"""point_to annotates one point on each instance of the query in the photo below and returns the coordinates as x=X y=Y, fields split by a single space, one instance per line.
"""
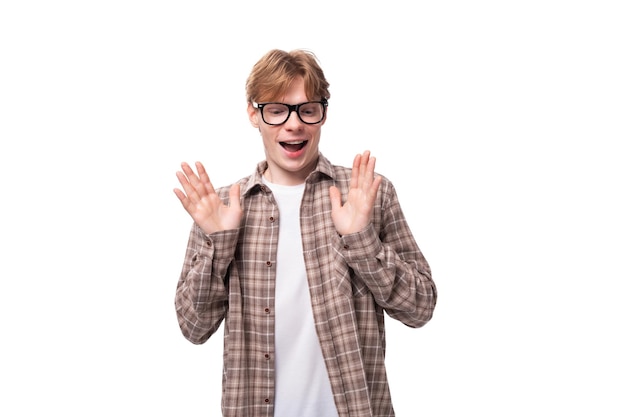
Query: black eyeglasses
x=310 y=113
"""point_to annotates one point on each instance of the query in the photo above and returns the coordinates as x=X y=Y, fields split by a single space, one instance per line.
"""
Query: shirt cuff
x=361 y=246
x=220 y=245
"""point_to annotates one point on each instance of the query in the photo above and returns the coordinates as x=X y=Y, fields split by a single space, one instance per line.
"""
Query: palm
x=355 y=214
x=203 y=204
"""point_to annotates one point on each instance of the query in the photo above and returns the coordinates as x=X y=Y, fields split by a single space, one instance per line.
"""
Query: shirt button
x=346 y=246
x=267 y=400
x=267 y=310
x=267 y=356
x=272 y=219
x=268 y=263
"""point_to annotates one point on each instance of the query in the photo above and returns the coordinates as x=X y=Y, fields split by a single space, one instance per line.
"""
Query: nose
x=293 y=121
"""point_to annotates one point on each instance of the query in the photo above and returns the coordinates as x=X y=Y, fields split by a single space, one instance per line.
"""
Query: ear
x=253 y=115
x=325 y=117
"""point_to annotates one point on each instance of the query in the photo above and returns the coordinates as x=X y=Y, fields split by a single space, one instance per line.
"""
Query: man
x=300 y=260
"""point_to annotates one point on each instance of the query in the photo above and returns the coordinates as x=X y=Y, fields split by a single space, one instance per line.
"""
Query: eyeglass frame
x=292 y=108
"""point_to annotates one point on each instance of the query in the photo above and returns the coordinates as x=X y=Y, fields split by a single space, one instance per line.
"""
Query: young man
x=300 y=260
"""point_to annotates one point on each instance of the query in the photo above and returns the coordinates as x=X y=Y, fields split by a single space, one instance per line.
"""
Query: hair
x=274 y=73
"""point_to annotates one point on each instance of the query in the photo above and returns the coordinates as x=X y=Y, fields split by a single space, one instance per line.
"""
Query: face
x=291 y=149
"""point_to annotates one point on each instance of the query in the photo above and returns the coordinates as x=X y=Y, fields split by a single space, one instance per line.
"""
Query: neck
x=280 y=177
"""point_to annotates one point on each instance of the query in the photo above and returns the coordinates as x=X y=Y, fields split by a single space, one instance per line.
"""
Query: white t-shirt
x=302 y=383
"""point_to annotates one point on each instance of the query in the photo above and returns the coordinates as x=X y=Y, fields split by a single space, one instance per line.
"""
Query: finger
x=365 y=176
x=189 y=189
x=204 y=178
x=354 y=177
x=192 y=185
x=375 y=186
x=182 y=197
x=187 y=170
x=186 y=202
x=335 y=197
x=373 y=180
x=233 y=195
x=194 y=181
x=190 y=176
x=371 y=167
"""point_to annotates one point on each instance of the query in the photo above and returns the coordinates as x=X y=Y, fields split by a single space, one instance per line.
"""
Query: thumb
x=234 y=194
x=335 y=197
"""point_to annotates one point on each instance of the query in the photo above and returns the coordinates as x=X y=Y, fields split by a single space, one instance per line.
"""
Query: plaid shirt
x=353 y=279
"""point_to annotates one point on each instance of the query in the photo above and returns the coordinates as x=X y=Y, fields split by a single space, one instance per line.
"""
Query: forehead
x=295 y=93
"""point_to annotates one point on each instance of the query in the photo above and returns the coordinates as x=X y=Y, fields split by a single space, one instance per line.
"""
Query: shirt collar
x=323 y=169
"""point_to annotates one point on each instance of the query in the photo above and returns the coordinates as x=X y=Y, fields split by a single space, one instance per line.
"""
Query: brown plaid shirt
x=229 y=276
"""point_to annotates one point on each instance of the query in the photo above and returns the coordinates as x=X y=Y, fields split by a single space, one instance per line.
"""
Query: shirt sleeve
x=388 y=261
x=201 y=294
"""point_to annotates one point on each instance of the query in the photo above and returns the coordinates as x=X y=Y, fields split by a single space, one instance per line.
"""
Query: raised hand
x=202 y=202
x=355 y=214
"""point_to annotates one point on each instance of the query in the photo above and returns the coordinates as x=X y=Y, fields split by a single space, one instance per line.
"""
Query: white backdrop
x=501 y=124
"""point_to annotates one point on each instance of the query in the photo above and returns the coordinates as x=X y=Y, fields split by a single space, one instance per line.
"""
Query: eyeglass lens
x=277 y=113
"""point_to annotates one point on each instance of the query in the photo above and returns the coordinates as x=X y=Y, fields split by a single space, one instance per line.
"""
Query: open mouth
x=294 y=146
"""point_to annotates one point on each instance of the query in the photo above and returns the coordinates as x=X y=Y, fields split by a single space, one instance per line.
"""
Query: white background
x=502 y=125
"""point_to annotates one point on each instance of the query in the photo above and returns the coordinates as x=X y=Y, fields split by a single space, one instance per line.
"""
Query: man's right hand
x=200 y=200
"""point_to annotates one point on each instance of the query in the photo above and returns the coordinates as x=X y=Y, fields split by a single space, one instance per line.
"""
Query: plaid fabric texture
x=354 y=280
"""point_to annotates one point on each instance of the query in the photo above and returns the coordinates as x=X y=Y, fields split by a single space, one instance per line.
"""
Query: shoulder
x=246 y=184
